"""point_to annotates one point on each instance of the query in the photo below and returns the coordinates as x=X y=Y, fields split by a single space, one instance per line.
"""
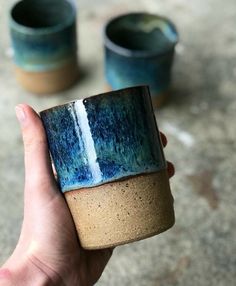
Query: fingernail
x=20 y=114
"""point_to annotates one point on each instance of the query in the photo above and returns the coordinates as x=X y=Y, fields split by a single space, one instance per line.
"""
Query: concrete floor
x=199 y=121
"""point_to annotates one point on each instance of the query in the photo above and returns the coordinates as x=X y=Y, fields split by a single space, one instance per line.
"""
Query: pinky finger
x=170 y=169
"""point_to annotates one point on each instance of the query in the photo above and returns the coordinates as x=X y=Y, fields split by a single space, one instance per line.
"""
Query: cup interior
x=142 y=32
x=42 y=13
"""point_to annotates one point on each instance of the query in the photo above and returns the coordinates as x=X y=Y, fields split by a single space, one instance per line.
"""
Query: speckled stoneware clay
x=111 y=167
x=139 y=49
x=43 y=36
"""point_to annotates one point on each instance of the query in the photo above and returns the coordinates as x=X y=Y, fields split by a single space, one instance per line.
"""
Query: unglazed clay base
x=160 y=99
x=48 y=82
x=122 y=211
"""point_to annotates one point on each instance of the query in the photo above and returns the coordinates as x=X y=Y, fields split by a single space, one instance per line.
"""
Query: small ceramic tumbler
x=139 y=49
x=111 y=167
x=43 y=34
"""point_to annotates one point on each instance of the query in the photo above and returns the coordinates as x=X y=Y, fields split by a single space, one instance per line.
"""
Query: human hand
x=48 y=251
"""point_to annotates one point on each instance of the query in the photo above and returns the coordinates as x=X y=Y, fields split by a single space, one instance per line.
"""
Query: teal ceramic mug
x=43 y=34
x=111 y=167
x=139 y=49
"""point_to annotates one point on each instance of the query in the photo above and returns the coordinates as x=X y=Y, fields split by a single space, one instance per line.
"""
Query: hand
x=48 y=251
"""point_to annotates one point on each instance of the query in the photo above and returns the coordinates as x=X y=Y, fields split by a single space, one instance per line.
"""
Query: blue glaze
x=43 y=34
x=103 y=138
x=139 y=49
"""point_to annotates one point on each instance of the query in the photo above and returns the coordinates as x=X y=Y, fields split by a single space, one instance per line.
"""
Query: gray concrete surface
x=199 y=122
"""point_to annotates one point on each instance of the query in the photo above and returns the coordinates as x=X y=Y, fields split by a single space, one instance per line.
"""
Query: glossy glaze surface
x=139 y=49
x=104 y=138
x=43 y=34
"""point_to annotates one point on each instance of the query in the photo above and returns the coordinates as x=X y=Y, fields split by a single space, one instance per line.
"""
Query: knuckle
x=32 y=143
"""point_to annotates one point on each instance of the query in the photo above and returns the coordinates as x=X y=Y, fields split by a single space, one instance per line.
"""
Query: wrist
x=28 y=272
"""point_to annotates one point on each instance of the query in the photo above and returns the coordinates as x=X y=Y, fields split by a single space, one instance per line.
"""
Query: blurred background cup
x=43 y=34
x=139 y=49
x=111 y=167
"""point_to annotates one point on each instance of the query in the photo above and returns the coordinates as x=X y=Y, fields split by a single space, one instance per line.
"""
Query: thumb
x=38 y=170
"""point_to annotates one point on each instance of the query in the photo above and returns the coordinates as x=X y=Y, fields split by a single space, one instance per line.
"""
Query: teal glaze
x=103 y=138
x=139 y=49
x=43 y=34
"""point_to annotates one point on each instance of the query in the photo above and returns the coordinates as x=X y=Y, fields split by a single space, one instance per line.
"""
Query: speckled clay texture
x=103 y=138
x=139 y=49
x=122 y=211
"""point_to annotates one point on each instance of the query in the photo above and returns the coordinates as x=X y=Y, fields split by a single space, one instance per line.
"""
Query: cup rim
x=96 y=95
x=137 y=53
x=45 y=30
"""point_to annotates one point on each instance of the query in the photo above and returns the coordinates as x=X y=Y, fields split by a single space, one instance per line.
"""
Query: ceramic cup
x=139 y=49
x=111 y=167
x=43 y=34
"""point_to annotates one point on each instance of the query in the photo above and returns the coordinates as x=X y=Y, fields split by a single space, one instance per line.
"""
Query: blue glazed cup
x=139 y=49
x=43 y=34
x=111 y=167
